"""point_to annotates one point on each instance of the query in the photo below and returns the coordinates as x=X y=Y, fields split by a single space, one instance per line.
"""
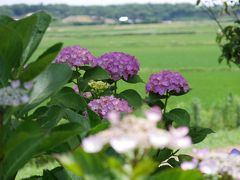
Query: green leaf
x=178 y=174
x=4 y=20
x=77 y=118
x=11 y=48
x=51 y=117
x=59 y=135
x=43 y=61
x=134 y=79
x=31 y=29
x=180 y=117
x=163 y=154
x=133 y=97
x=67 y=98
x=47 y=83
x=100 y=127
x=184 y=158
x=21 y=147
x=154 y=100
x=58 y=173
x=144 y=168
x=198 y=134
x=198 y=2
x=93 y=118
x=88 y=166
x=96 y=73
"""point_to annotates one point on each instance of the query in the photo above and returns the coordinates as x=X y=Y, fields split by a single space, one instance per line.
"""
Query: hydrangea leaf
x=31 y=29
x=179 y=117
x=43 y=61
x=198 y=134
x=10 y=52
x=178 y=174
x=96 y=73
x=47 y=83
x=133 y=97
x=134 y=79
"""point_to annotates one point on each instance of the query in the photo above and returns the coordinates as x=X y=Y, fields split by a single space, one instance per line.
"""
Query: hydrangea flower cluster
x=75 y=56
x=215 y=163
x=98 y=86
x=167 y=82
x=132 y=133
x=14 y=95
x=118 y=64
x=106 y=104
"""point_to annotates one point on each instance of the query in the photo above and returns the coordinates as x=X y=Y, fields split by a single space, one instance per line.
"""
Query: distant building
x=82 y=20
x=123 y=19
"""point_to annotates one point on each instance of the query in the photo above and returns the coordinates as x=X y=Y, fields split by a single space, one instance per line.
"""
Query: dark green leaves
x=198 y=2
x=20 y=147
x=135 y=79
x=59 y=135
x=67 y=98
x=31 y=29
x=180 y=117
x=4 y=20
x=93 y=118
x=11 y=48
x=132 y=96
x=48 y=82
x=87 y=166
x=154 y=100
x=198 y=134
x=178 y=174
x=77 y=118
x=43 y=61
x=96 y=73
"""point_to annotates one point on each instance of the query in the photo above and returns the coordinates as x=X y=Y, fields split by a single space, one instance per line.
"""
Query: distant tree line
x=144 y=13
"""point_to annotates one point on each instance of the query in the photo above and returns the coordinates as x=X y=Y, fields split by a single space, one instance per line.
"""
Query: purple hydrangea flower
x=75 y=56
x=28 y=85
x=235 y=152
x=167 y=82
x=118 y=64
x=107 y=104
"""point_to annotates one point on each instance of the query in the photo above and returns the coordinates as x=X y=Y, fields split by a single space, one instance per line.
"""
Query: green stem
x=175 y=152
x=165 y=104
x=115 y=88
x=1 y=119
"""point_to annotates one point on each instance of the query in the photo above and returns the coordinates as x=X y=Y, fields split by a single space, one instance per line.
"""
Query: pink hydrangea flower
x=75 y=88
x=75 y=56
x=154 y=114
x=167 y=82
x=107 y=104
x=118 y=64
x=130 y=133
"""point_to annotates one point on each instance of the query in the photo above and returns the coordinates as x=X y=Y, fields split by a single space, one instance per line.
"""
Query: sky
x=90 y=2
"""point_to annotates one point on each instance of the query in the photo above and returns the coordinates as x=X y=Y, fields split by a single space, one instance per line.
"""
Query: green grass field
x=188 y=47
